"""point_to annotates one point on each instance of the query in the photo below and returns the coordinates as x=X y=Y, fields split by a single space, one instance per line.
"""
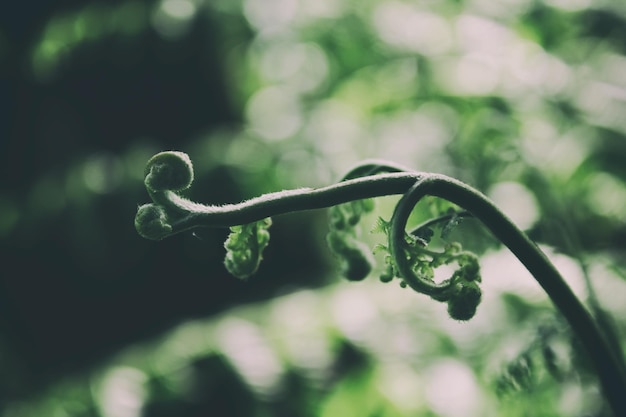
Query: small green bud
x=368 y=205
x=470 y=268
x=453 y=248
x=387 y=275
x=357 y=260
x=353 y=218
x=337 y=218
x=425 y=271
x=464 y=300
x=358 y=264
x=244 y=247
x=169 y=170
x=151 y=222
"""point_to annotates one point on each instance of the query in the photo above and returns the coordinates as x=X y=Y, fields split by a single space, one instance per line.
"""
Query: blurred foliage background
x=524 y=99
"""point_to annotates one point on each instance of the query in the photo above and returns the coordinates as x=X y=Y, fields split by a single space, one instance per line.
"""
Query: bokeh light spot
x=243 y=342
x=607 y=195
x=353 y=311
x=404 y=26
x=274 y=113
x=103 y=173
x=452 y=390
x=267 y=14
x=179 y=9
x=303 y=66
x=9 y=215
x=517 y=202
x=122 y=392
x=172 y=20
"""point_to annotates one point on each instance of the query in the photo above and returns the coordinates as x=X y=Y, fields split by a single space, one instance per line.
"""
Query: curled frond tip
x=169 y=170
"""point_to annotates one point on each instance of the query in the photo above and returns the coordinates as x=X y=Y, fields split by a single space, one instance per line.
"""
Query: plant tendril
x=408 y=257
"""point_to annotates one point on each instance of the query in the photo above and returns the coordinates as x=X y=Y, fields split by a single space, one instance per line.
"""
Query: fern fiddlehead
x=168 y=173
x=244 y=247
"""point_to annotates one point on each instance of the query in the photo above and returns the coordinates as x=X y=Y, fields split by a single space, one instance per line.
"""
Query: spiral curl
x=151 y=222
x=170 y=172
x=408 y=258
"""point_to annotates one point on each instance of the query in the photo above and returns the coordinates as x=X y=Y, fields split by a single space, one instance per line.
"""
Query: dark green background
x=78 y=122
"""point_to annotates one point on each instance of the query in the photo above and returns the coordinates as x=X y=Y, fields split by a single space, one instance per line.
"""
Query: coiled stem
x=169 y=172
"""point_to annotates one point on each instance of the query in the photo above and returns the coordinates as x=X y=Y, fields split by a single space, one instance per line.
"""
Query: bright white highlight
x=517 y=202
x=244 y=344
x=122 y=392
x=452 y=390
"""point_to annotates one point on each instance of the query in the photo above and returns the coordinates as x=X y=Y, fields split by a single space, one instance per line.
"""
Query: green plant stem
x=415 y=185
x=274 y=204
x=611 y=375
